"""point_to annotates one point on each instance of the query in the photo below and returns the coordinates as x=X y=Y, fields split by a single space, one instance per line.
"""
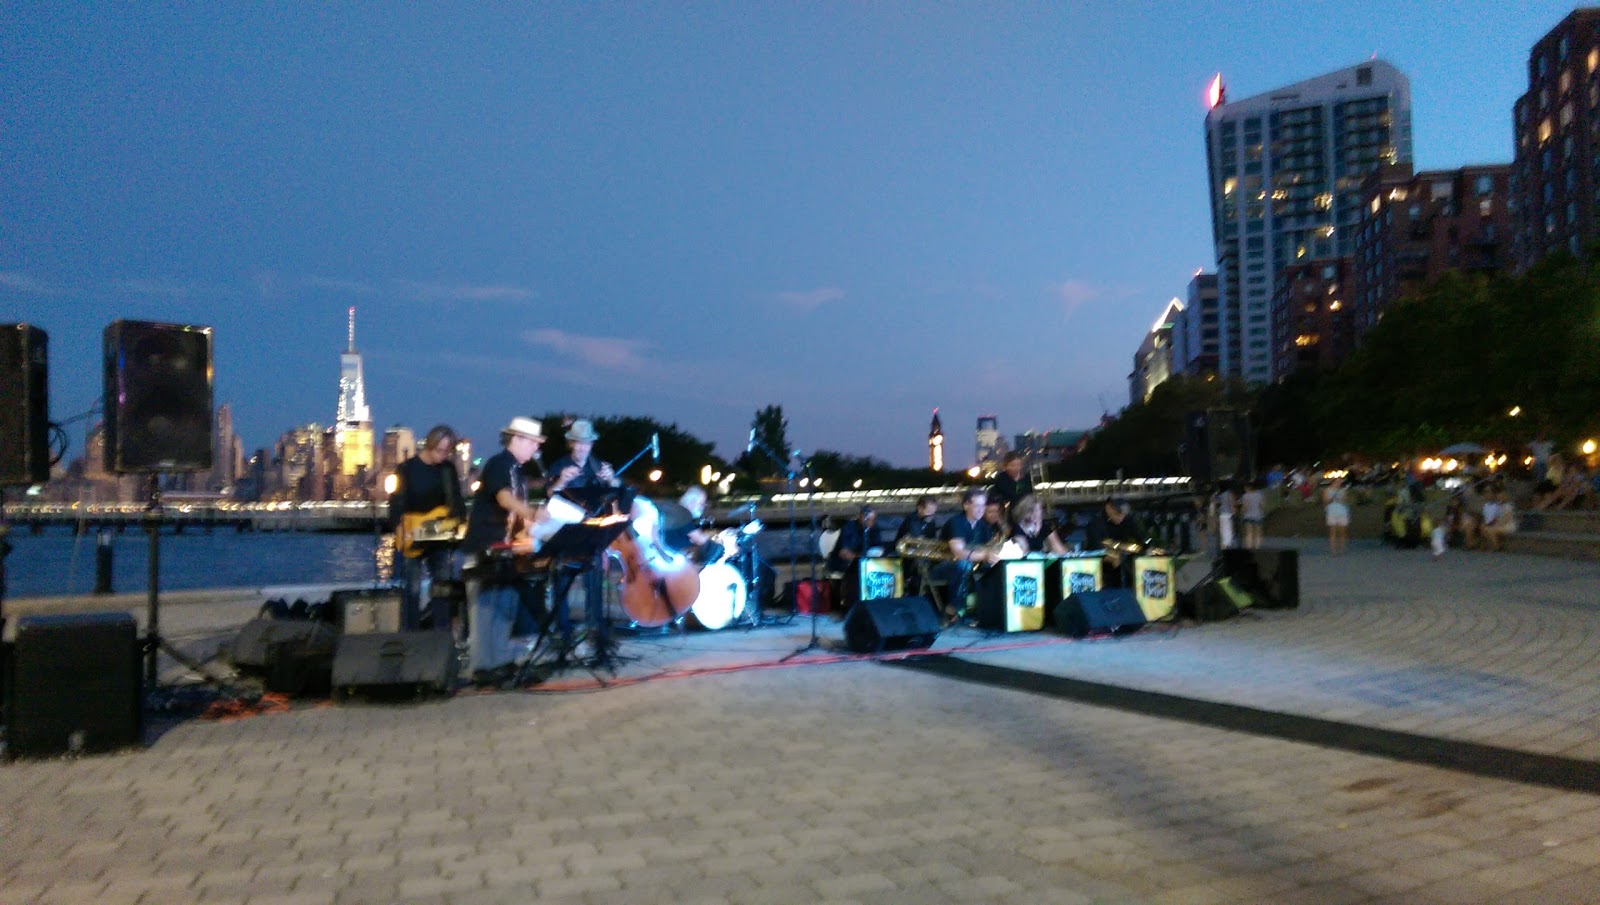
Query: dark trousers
x=434 y=566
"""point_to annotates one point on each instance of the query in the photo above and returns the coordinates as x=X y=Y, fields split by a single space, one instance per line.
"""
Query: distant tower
x=990 y=447
x=353 y=426
x=936 y=443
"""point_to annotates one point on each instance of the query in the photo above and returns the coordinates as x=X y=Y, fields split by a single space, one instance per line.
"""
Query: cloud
x=1074 y=294
x=810 y=299
x=17 y=281
x=461 y=292
x=603 y=352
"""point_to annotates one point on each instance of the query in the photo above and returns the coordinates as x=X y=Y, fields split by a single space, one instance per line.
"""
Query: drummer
x=683 y=526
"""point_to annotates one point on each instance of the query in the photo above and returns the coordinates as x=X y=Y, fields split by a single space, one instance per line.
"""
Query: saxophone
x=925 y=548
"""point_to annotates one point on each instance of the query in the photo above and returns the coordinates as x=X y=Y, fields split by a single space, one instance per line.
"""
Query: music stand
x=581 y=547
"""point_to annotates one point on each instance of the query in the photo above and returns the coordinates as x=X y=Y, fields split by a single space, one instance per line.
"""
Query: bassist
x=427 y=486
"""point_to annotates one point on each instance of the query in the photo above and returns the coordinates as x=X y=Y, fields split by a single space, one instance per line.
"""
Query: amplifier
x=368 y=610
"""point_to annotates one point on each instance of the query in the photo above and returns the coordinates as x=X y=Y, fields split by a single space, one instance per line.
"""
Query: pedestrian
x=1336 y=507
x=1252 y=512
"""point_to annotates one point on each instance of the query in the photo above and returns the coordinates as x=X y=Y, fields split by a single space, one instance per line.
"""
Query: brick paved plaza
x=858 y=781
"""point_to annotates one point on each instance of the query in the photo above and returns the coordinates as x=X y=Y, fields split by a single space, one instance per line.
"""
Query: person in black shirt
x=1029 y=530
x=426 y=482
x=922 y=526
x=1118 y=531
x=498 y=506
x=579 y=469
x=1010 y=485
x=858 y=535
x=966 y=533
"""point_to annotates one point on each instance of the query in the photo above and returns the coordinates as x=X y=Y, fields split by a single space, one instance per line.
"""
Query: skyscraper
x=1286 y=171
x=353 y=425
x=936 y=443
x=991 y=449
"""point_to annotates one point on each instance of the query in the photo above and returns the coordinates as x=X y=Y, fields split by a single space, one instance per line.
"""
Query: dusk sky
x=858 y=211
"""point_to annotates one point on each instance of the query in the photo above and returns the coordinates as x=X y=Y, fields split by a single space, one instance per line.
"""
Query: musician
x=994 y=515
x=683 y=526
x=498 y=507
x=966 y=532
x=578 y=468
x=1117 y=526
x=1030 y=531
x=858 y=535
x=920 y=525
x=1010 y=485
x=423 y=483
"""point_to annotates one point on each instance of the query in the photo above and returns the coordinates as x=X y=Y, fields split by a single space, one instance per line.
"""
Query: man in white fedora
x=498 y=506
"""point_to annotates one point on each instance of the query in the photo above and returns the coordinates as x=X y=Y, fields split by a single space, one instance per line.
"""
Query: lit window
x=1594 y=58
x=1566 y=80
x=1486 y=207
x=1544 y=130
x=1335 y=305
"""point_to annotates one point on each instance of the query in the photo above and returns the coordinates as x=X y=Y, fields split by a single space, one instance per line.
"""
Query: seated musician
x=1010 y=485
x=498 y=507
x=1118 y=531
x=858 y=535
x=921 y=526
x=1029 y=530
x=683 y=527
x=967 y=533
x=426 y=482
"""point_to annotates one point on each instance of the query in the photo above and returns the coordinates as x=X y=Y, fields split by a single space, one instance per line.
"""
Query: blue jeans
x=494 y=611
x=419 y=575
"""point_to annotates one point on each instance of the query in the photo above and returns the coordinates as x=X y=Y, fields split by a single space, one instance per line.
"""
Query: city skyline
x=855 y=213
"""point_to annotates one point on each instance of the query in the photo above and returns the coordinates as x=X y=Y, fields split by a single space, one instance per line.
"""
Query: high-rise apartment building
x=1286 y=169
x=990 y=448
x=1196 y=335
x=1415 y=226
x=1155 y=360
x=1557 y=128
x=1311 y=322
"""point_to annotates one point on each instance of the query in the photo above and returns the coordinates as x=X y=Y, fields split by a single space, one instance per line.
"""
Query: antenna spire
x=352 y=328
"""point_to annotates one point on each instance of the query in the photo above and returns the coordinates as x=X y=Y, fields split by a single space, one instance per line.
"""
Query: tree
x=772 y=432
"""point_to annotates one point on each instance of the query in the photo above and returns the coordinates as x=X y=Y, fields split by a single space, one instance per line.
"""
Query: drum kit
x=728 y=566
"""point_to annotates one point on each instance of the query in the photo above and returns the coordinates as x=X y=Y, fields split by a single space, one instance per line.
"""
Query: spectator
x=1252 y=512
x=1499 y=519
x=1336 y=508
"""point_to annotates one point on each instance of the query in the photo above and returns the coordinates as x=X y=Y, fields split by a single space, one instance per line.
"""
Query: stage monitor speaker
x=1218 y=445
x=890 y=623
x=24 y=405
x=75 y=685
x=157 y=397
x=1115 y=611
x=1272 y=575
x=399 y=665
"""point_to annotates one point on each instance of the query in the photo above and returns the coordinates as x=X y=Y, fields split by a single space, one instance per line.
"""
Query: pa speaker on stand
x=157 y=397
x=24 y=405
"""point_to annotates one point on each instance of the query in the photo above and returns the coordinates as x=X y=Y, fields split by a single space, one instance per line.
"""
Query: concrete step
x=1554 y=543
x=1565 y=521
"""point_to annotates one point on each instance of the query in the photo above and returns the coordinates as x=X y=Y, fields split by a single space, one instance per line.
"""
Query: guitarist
x=427 y=485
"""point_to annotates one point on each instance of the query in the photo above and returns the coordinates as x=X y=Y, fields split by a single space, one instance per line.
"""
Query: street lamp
x=1515 y=411
x=655 y=474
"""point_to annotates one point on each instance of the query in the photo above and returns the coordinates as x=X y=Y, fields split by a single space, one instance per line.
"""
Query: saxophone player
x=967 y=533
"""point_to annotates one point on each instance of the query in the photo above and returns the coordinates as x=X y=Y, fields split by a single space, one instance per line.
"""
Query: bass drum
x=722 y=596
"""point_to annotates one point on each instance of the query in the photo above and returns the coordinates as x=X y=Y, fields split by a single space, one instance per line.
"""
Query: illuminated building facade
x=353 y=425
x=1155 y=360
x=1286 y=170
x=990 y=448
x=1311 y=319
x=936 y=443
x=1195 y=331
x=1557 y=146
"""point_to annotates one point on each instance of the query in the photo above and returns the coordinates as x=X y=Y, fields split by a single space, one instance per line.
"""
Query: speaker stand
x=154 y=644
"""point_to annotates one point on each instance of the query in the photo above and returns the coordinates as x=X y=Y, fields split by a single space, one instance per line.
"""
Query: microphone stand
x=811 y=514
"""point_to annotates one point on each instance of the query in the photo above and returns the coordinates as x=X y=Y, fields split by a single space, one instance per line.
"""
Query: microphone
x=655 y=447
x=751 y=444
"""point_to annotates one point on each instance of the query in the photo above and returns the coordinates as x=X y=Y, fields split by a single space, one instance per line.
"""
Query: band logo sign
x=1154 y=582
x=1080 y=583
x=1024 y=591
x=877 y=585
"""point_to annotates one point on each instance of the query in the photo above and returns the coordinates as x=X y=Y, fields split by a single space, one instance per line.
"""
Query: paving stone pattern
x=852 y=782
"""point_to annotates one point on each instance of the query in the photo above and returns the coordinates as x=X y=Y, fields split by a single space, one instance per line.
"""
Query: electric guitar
x=436 y=526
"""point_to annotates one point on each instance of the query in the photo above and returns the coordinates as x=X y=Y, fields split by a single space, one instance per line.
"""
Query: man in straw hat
x=499 y=503
x=579 y=469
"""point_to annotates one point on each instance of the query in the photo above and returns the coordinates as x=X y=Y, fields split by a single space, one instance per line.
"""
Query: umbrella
x=1463 y=449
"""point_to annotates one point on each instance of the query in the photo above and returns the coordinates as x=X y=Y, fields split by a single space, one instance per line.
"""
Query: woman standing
x=1337 y=508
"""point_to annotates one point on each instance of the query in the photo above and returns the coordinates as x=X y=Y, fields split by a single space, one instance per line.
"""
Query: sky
x=687 y=211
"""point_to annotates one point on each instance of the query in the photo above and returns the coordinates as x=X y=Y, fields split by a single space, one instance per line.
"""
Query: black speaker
x=1273 y=576
x=1218 y=445
x=24 y=405
x=398 y=665
x=890 y=623
x=1115 y=610
x=253 y=645
x=157 y=397
x=75 y=685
